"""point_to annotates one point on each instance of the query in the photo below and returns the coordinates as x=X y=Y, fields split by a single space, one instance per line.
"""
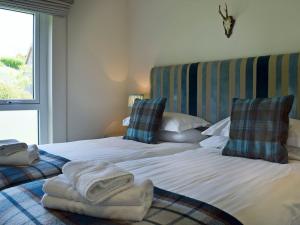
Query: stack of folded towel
x=15 y=153
x=98 y=189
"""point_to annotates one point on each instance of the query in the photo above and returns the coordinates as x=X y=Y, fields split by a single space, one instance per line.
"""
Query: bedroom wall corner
x=57 y=81
x=97 y=68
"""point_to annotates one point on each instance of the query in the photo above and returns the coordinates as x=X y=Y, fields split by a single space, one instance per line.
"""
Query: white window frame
x=40 y=74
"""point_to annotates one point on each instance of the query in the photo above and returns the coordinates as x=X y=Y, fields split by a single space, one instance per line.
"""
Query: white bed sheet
x=254 y=191
x=114 y=149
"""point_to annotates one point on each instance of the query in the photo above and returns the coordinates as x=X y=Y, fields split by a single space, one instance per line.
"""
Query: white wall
x=113 y=44
x=182 y=31
x=97 y=68
x=58 y=81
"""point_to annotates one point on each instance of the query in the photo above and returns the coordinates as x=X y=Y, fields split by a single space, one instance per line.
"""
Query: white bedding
x=114 y=149
x=254 y=191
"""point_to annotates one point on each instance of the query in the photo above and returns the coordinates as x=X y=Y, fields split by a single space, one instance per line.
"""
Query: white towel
x=60 y=187
x=132 y=213
x=22 y=158
x=96 y=181
x=11 y=146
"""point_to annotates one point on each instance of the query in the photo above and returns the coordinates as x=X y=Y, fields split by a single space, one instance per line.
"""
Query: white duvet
x=114 y=149
x=254 y=191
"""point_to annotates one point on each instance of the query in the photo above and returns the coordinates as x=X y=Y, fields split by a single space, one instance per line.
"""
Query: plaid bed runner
x=21 y=204
x=49 y=165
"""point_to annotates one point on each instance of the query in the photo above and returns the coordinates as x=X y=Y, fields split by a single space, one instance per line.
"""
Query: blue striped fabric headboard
x=206 y=89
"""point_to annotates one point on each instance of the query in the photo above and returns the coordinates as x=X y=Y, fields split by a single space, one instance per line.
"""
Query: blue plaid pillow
x=145 y=120
x=259 y=129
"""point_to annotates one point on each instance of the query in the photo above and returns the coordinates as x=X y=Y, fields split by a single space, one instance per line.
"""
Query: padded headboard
x=206 y=89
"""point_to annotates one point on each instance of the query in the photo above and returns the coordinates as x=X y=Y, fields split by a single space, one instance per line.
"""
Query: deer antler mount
x=228 y=21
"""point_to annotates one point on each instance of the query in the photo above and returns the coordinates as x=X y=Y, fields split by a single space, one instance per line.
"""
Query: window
x=16 y=56
x=23 y=76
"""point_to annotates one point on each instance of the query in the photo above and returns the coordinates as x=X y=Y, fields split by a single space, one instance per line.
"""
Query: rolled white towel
x=60 y=187
x=22 y=158
x=132 y=213
x=97 y=181
x=11 y=146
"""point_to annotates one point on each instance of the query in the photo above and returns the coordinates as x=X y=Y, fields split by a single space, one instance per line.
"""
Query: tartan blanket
x=21 y=205
x=48 y=166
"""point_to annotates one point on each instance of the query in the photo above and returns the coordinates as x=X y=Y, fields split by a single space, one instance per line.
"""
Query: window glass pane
x=16 y=55
x=21 y=125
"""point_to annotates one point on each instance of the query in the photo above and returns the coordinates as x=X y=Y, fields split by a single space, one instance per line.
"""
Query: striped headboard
x=206 y=89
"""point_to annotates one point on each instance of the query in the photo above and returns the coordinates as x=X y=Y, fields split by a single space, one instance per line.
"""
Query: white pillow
x=177 y=122
x=221 y=141
x=221 y=128
x=187 y=136
x=214 y=142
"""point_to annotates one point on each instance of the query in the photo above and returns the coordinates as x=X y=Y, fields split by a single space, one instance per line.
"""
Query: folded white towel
x=97 y=181
x=11 y=146
x=60 y=187
x=22 y=158
x=132 y=213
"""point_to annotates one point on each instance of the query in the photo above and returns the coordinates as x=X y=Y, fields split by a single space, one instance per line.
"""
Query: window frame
x=41 y=32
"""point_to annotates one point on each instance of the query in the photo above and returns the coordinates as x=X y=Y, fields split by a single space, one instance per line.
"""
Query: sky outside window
x=16 y=33
x=16 y=55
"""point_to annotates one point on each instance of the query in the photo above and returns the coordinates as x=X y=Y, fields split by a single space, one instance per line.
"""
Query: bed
x=113 y=149
x=206 y=90
x=255 y=192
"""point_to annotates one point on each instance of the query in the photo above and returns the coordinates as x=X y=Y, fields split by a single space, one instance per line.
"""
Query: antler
x=226 y=10
x=220 y=12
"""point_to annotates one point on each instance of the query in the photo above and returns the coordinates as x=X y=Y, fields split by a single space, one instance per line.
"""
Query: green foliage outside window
x=13 y=92
x=14 y=63
x=15 y=78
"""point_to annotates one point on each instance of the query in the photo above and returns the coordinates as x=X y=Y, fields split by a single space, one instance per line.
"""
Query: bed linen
x=114 y=149
x=22 y=204
x=256 y=192
x=48 y=166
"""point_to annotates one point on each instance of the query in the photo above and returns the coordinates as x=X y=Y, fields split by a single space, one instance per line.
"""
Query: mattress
x=114 y=149
x=254 y=191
